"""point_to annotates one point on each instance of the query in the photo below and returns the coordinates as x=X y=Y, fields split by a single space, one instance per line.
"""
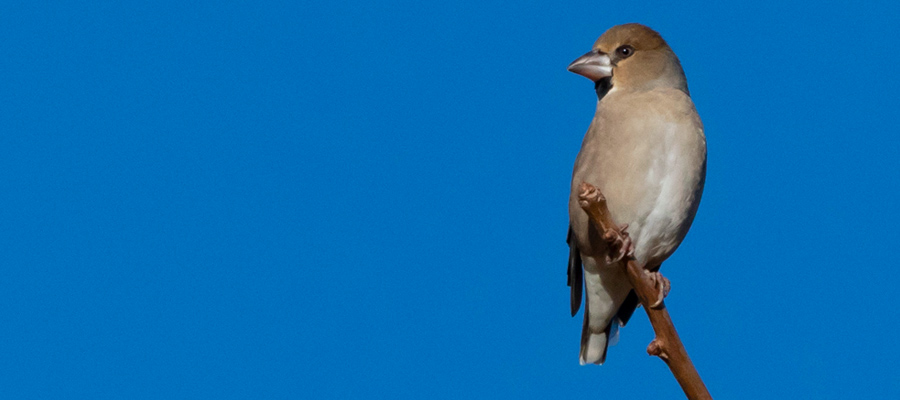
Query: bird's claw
x=620 y=244
x=662 y=285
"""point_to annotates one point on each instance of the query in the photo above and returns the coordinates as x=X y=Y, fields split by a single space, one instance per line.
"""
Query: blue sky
x=368 y=200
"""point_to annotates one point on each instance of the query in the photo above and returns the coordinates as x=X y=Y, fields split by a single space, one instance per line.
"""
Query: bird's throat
x=602 y=87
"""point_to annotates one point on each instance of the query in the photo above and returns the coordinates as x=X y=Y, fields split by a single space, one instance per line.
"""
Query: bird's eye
x=625 y=51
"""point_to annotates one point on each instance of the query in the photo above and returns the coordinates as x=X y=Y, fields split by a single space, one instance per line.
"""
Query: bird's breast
x=648 y=158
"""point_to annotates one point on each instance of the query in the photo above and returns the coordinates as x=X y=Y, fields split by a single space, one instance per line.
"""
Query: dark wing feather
x=627 y=308
x=630 y=304
x=575 y=273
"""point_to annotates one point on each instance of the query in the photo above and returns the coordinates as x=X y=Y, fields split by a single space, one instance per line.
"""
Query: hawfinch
x=646 y=152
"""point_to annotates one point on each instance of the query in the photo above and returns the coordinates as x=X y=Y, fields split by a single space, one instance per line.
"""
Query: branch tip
x=651 y=288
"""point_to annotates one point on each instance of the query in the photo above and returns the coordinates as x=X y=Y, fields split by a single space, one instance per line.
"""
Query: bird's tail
x=593 y=343
x=605 y=293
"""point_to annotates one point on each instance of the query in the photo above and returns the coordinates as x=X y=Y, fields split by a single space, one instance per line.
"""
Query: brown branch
x=667 y=346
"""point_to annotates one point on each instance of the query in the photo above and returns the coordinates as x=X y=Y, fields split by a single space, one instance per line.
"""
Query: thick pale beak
x=594 y=65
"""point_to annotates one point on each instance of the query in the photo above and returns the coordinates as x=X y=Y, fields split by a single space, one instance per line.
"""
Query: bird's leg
x=662 y=286
x=620 y=244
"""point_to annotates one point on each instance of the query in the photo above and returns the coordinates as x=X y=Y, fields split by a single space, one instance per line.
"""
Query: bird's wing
x=575 y=273
x=627 y=308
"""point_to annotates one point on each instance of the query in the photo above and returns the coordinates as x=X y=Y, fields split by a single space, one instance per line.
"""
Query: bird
x=645 y=150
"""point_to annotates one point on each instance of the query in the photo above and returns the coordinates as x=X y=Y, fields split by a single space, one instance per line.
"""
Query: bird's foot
x=662 y=285
x=620 y=244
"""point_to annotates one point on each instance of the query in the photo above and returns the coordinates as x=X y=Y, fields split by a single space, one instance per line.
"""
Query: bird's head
x=631 y=57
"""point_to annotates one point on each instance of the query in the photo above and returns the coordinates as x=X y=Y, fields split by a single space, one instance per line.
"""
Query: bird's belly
x=657 y=199
x=660 y=209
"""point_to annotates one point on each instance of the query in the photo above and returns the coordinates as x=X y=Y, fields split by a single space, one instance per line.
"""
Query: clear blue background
x=368 y=200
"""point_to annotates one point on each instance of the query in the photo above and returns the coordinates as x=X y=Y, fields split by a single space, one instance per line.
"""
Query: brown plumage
x=646 y=151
